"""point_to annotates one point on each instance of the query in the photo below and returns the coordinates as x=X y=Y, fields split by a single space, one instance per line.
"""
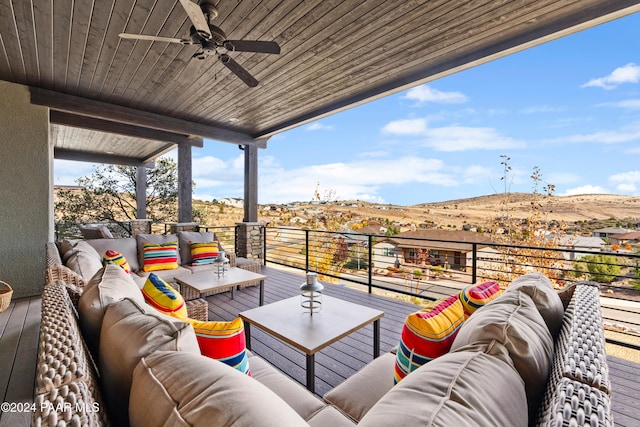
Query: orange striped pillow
x=223 y=341
x=427 y=335
x=204 y=253
x=475 y=296
x=160 y=257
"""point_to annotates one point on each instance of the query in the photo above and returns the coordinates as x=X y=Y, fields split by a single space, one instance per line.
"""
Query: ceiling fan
x=212 y=40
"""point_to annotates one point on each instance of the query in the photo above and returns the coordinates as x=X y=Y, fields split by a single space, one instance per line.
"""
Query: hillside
x=582 y=211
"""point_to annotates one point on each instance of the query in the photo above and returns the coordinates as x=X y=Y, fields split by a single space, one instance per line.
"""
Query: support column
x=250 y=240
x=250 y=183
x=26 y=196
x=185 y=190
x=141 y=192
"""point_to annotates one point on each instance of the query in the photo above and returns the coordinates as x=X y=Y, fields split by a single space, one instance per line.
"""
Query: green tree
x=109 y=194
x=599 y=268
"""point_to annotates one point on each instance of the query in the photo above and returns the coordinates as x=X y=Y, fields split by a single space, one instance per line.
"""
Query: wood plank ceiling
x=335 y=54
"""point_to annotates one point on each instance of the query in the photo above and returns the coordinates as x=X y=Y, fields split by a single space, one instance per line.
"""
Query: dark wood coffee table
x=308 y=333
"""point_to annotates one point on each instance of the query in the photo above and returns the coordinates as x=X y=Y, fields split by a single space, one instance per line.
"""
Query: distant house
x=434 y=247
x=609 y=231
x=580 y=243
x=632 y=237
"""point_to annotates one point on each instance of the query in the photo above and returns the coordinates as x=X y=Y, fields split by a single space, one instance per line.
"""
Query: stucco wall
x=25 y=190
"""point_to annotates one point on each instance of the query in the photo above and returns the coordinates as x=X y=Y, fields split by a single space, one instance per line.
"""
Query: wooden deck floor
x=19 y=340
x=19 y=326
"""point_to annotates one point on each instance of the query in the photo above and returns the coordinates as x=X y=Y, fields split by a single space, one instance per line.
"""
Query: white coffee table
x=194 y=285
x=308 y=333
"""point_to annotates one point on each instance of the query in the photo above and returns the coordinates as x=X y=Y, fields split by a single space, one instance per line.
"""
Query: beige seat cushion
x=295 y=395
x=126 y=246
x=180 y=389
x=358 y=393
x=546 y=299
x=166 y=275
x=132 y=330
x=512 y=320
x=457 y=389
x=109 y=285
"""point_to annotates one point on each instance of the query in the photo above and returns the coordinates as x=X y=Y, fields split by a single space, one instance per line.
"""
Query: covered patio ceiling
x=127 y=101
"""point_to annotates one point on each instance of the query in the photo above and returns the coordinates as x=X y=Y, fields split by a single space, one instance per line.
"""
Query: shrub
x=599 y=268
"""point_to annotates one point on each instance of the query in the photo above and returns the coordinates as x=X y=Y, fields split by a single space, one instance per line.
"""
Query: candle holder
x=221 y=264
x=311 y=294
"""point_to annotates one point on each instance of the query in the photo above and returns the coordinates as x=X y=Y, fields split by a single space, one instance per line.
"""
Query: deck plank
x=18 y=350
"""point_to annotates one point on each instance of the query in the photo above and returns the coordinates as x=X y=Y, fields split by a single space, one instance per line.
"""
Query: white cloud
x=629 y=73
x=452 y=138
x=359 y=179
x=585 y=189
x=463 y=138
x=536 y=109
x=630 y=104
x=626 y=182
x=426 y=93
x=319 y=126
x=406 y=127
x=625 y=134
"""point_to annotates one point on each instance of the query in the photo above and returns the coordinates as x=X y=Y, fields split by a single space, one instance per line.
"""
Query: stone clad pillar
x=250 y=240
x=140 y=226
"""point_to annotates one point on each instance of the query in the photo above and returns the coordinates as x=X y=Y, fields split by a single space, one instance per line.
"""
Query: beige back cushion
x=109 y=285
x=180 y=389
x=126 y=246
x=184 y=237
x=513 y=321
x=83 y=259
x=132 y=330
x=546 y=299
x=457 y=389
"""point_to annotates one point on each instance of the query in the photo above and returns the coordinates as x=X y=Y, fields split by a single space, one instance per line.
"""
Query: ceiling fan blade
x=197 y=18
x=252 y=46
x=152 y=38
x=238 y=70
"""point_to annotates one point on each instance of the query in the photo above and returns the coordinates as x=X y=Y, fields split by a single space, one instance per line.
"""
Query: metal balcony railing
x=430 y=269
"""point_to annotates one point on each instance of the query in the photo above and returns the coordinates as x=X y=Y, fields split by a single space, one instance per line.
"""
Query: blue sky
x=571 y=107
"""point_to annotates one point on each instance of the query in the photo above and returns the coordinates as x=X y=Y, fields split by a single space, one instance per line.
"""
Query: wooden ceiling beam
x=116 y=113
x=83 y=122
x=85 y=156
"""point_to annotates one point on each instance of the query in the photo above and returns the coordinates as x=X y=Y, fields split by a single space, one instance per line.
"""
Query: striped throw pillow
x=427 y=335
x=160 y=256
x=475 y=296
x=158 y=294
x=114 y=257
x=223 y=341
x=204 y=253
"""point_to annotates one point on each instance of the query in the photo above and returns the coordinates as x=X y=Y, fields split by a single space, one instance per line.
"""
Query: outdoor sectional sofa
x=530 y=357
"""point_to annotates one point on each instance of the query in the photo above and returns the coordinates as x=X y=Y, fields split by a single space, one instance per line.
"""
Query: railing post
x=306 y=247
x=370 y=260
x=474 y=263
x=264 y=244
